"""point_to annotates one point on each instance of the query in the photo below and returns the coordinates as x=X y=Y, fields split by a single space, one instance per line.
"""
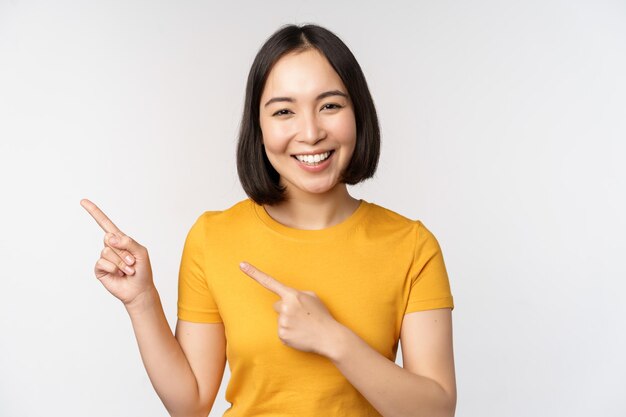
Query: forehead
x=305 y=73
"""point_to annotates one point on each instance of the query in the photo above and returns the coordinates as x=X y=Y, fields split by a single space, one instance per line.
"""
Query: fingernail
x=128 y=269
x=113 y=240
x=129 y=260
x=243 y=265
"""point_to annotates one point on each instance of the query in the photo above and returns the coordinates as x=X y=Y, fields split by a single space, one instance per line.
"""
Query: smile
x=313 y=159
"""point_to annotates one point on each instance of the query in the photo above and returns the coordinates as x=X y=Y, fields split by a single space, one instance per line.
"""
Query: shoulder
x=234 y=212
x=385 y=217
x=389 y=221
x=214 y=220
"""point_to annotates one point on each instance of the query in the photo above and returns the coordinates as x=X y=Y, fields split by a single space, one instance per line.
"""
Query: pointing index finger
x=105 y=223
x=265 y=280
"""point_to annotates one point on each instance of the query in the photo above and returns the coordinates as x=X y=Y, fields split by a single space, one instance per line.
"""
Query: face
x=307 y=121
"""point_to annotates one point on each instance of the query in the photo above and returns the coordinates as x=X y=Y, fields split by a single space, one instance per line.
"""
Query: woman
x=311 y=288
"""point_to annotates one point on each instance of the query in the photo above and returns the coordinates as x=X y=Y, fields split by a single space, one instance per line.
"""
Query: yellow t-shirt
x=369 y=271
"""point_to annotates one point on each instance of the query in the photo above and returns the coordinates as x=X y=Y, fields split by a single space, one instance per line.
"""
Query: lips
x=316 y=167
x=314 y=153
x=314 y=160
x=308 y=158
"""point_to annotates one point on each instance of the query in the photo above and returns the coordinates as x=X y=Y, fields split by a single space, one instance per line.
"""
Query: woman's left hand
x=304 y=322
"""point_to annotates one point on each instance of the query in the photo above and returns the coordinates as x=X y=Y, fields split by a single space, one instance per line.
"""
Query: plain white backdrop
x=503 y=128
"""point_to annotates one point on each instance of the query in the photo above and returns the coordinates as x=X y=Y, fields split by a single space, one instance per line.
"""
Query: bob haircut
x=258 y=177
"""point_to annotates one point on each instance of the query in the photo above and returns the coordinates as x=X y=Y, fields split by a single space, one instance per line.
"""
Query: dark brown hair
x=258 y=177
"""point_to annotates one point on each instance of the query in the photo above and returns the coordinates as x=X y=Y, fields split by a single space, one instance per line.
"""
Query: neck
x=310 y=211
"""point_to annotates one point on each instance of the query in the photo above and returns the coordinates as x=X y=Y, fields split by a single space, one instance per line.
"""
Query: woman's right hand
x=124 y=266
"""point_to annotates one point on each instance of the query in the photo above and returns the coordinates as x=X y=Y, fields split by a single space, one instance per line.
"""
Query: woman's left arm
x=426 y=386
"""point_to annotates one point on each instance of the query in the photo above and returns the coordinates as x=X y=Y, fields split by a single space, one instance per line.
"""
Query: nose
x=311 y=130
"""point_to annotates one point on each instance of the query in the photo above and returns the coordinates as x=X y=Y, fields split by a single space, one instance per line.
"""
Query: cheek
x=344 y=129
x=276 y=136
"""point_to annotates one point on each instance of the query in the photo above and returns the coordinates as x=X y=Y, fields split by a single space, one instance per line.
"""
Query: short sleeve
x=195 y=301
x=430 y=287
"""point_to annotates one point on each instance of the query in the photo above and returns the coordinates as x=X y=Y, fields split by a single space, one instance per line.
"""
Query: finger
x=122 y=253
x=127 y=243
x=105 y=223
x=102 y=265
x=266 y=281
x=110 y=255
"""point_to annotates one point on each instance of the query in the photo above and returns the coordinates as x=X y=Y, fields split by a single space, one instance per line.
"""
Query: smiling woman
x=303 y=82
x=307 y=118
x=306 y=290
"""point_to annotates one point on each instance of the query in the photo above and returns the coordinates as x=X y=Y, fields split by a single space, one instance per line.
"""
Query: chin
x=318 y=186
x=318 y=191
x=321 y=189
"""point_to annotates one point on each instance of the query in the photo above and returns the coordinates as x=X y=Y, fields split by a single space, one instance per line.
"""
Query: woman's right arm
x=186 y=370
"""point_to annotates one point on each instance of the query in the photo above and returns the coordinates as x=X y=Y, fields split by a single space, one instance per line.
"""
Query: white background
x=503 y=131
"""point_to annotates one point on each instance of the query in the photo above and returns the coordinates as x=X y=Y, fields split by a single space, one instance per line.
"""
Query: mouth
x=314 y=159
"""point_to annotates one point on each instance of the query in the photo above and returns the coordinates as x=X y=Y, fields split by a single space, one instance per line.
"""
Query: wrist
x=338 y=342
x=143 y=301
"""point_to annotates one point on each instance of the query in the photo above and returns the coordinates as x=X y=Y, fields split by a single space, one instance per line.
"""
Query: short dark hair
x=258 y=177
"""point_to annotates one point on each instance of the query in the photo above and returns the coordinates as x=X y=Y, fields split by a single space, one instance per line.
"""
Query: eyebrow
x=320 y=97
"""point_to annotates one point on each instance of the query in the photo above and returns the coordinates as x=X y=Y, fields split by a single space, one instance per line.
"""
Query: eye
x=282 y=112
x=331 y=106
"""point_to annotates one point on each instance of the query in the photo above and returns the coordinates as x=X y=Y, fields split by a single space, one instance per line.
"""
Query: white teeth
x=310 y=159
